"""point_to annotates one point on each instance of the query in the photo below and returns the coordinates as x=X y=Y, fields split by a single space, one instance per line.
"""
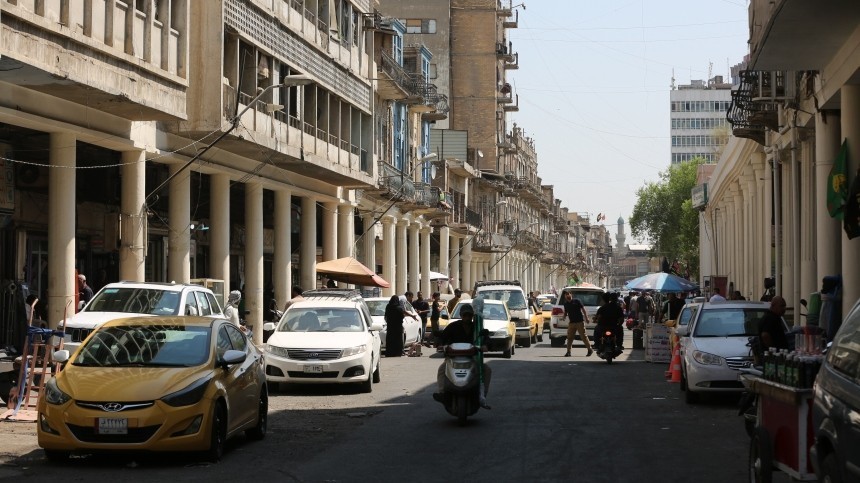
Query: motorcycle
x=462 y=395
x=608 y=348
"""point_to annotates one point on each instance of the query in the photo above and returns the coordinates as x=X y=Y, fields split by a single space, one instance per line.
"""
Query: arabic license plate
x=112 y=426
x=313 y=369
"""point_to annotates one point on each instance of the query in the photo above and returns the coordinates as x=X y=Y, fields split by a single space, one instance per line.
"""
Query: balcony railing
x=394 y=182
x=755 y=103
x=402 y=79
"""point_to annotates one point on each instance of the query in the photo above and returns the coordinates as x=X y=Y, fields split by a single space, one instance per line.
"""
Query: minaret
x=621 y=247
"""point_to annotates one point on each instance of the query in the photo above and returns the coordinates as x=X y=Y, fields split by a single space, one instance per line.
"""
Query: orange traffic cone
x=674 y=372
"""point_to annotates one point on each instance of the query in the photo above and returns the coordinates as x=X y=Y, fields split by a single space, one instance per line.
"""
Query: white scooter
x=463 y=392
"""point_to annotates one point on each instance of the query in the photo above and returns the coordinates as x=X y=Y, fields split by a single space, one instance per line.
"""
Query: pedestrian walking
x=645 y=307
x=453 y=302
x=575 y=312
x=231 y=308
x=435 y=314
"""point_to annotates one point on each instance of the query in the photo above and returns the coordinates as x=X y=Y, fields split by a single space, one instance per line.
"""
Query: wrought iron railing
x=396 y=72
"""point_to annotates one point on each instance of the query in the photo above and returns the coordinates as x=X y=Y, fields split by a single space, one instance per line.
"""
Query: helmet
x=467 y=309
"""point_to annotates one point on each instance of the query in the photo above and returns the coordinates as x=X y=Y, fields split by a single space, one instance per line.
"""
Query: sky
x=594 y=83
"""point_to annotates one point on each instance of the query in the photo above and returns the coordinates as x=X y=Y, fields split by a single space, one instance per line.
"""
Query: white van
x=591 y=298
x=511 y=292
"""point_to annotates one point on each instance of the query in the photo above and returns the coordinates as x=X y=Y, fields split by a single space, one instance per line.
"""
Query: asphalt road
x=553 y=418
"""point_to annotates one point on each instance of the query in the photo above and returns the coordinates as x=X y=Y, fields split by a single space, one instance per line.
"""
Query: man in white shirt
x=717 y=297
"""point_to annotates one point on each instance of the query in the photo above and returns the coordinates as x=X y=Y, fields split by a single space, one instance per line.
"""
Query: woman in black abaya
x=394 y=314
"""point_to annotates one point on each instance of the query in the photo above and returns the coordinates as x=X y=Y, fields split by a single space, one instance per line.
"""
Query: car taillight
x=557 y=311
x=608 y=333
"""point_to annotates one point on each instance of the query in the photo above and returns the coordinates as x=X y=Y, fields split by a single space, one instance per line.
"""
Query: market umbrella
x=436 y=276
x=350 y=270
x=662 y=282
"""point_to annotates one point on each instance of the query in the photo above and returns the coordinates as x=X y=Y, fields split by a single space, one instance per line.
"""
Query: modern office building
x=698 y=116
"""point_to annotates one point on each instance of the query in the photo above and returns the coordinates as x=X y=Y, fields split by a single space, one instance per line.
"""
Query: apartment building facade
x=698 y=119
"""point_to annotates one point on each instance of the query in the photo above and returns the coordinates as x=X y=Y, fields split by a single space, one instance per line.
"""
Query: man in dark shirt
x=610 y=316
x=771 y=331
x=462 y=331
x=423 y=308
x=672 y=307
x=575 y=312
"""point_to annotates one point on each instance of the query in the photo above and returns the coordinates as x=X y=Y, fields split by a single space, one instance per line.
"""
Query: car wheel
x=507 y=353
x=540 y=336
x=683 y=384
x=830 y=470
x=527 y=342
x=556 y=342
x=513 y=349
x=367 y=386
x=376 y=375
x=218 y=436
x=761 y=457
x=57 y=457
x=258 y=432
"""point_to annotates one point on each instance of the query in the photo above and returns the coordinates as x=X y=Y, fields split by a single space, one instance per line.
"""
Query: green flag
x=837 y=184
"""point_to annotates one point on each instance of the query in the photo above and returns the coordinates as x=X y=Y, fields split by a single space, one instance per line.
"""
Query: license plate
x=112 y=426
x=313 y=369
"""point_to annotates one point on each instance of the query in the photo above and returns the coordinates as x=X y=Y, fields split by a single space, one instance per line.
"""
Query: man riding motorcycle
x=462 y=331
x=610 y=317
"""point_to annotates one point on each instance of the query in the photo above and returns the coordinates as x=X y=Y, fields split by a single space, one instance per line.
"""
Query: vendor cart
x=783 y=433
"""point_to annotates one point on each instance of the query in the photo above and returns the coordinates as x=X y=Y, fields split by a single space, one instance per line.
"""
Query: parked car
x=512 y=293
x=546 y=314
x=327 y=338
x=591 y=298
x=411 y=328
x=155 y=384
x=497 y=320
x=122 y=299
x=688 y=312
x=715 y=346
x=836 y=406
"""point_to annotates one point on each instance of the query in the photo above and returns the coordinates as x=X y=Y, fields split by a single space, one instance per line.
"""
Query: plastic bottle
x=767 y=363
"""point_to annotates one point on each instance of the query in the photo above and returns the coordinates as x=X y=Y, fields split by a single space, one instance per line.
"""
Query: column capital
x=403 y=222
x=387 y=220
x=426 y=229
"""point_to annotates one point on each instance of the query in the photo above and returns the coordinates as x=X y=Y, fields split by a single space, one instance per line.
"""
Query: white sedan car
x=411 y=327
x=324 y=341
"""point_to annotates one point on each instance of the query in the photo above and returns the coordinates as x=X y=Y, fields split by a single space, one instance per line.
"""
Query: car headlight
x=500 y=333
x=707 y=359
x=354 y=351
x=191 y=394
x=277 y=351
x=53 y=394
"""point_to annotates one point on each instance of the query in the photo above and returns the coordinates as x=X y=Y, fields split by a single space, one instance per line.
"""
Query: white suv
x=124 y=299
x=591 y=298
x=512 y=293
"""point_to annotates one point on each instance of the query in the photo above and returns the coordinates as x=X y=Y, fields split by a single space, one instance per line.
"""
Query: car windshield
x=729 y=322
x=146 y=345
x=588 y=298
x=135 y=301
x=547 y=306
x=490 y=311
x=377 y=307
x=321 y=320
x=514 y=298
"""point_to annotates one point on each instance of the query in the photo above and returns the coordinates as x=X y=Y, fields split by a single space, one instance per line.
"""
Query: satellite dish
x=433 y=171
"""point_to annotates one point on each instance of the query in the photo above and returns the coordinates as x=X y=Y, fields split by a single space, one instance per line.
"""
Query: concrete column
x=468 y=281
x=767 y=220
x=493 y=267
x=329 y=231
x=308 y=243
x=851 y=248
x=473 y=270
x=133 y=219
x=62 y=284
x=219 y=230
x=454 y=266
x=179 y=219
x=828 y=230
x=345 y=231
x=444 y=255
x=413 y=258
x=370 y=242
x=808 y=266
x=254 y=258
x=282 y=261
x=388 y=255
x=400 y=257
x=425 y=261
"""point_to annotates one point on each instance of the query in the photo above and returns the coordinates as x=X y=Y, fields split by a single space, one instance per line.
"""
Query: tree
x=664 y=214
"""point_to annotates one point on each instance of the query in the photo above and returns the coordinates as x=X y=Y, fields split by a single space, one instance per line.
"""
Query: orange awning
x=350 y=270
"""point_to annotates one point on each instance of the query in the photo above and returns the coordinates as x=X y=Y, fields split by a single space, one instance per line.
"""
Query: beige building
x=797 y=103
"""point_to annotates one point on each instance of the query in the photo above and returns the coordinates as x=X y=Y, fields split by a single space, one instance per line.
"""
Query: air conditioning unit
x=29 y=176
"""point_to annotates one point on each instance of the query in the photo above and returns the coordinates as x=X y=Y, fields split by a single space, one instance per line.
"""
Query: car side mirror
x=233 y=357
x=61 y=356
x=682 y=330
x=269 y=327
x=377 y=327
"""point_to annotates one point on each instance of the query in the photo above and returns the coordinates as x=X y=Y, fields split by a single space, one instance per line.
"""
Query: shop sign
x=700 y=196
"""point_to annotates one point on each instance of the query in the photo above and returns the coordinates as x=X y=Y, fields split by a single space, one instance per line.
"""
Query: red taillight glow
x=608 y=333
x=557 y=311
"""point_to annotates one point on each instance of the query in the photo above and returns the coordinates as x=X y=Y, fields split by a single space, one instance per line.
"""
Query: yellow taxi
x=155 y=384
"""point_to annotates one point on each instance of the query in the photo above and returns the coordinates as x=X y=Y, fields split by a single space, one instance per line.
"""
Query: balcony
x=797 y=35
x=513 y=63
x=393 y=183
x=440 y=108
x=486 y=242
x=395 y=83
x=439 y=204
x=515 y=107
x=561 y=226
x=505 y=52
x=755 y=103
x=511 y=23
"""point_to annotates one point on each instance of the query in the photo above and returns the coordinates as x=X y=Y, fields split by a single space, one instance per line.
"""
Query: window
x=844 y=355
x=203 y=303
x=237 y=338
x=213 y=302
x=420 y=26
x=223 y=343
x=191 y=307
x=397 y=46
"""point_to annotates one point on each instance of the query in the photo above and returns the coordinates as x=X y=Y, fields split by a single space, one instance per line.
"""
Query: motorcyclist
x=610 y=316
x=462 y=331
